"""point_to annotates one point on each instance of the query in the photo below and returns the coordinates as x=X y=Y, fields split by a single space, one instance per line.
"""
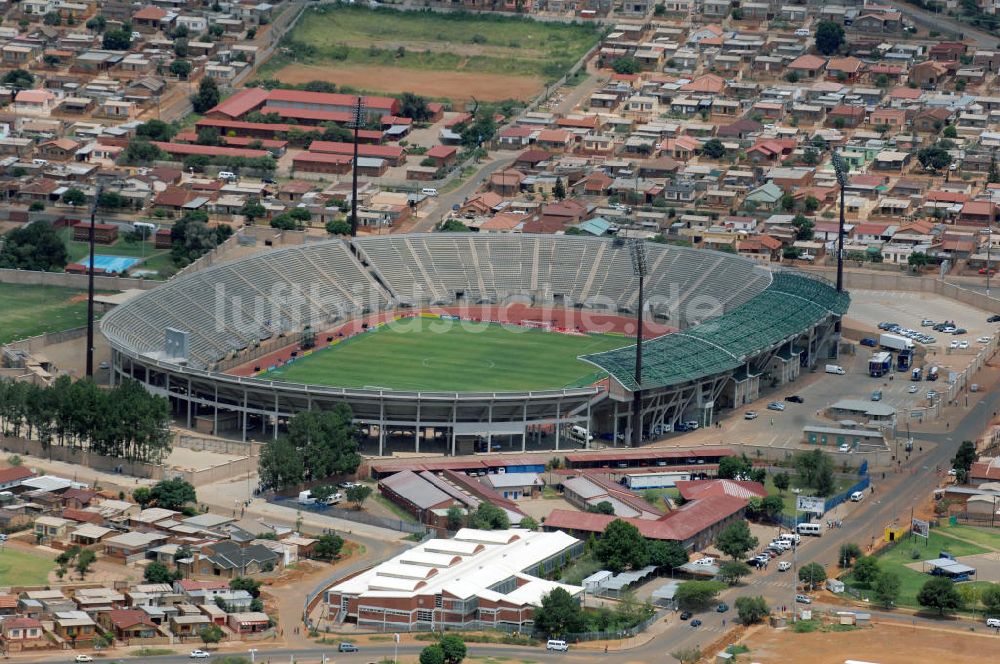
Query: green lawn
x=898 y=556
x=980 y=536
x=156 y=260
x=31 y=310
x=840 y=484
x=414 y=354
x=20 y=568
x=459 y=41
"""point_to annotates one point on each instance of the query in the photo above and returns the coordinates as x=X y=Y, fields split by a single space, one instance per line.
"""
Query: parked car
x=707 y=560
x=696 y=623
x=927 y=322
x=722 y=608
x=877 y=395
x=995 y=318
x=557 y=644
x=685 y=615
x=347 y=647
x=795 y=399
x=750 y=415
x=913 y=389
x=959 y=330
x=868 y=341
x=775 y=405
x=83 y=658
x=784 y=566
x=963 y=344
x=199 y=654
x=803 y=599
x=984 y=340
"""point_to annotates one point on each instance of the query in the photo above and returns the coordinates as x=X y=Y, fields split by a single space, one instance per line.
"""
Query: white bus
x=814 y=529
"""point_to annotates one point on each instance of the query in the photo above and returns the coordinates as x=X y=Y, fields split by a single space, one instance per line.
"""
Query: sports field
x=454 y=55
x=465 y=357
x=26 y=311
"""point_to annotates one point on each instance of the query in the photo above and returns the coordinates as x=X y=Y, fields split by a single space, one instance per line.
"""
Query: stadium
x=534 y=335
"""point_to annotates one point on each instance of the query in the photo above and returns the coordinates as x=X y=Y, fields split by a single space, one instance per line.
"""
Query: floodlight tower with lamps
x=637 y=248
x=841 y=170
x=356 y=122
x=90 y=282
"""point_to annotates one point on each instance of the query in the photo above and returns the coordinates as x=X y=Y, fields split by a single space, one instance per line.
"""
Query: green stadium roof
x=791 y=304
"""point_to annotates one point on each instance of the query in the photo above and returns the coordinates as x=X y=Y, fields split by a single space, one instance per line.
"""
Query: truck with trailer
x=904 y=359
x=895 y=342
x=880 y=364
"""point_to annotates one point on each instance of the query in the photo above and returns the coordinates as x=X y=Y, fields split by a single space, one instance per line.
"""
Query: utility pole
x=90 y=284
x=356 y=122
x=637 y=248
x=841 y=171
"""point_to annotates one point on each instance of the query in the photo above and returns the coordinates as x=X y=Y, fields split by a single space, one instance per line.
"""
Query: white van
x=814 y=529
x=306 y=498
x=835 y=369
x=794 y=538
x=557 y=644
x=429 y=191
x=993 y=622
x=227 y=175
x=580 y=433
x=857 y=496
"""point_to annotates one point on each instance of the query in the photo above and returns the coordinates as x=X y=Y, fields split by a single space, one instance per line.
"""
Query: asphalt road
x=943 y=22
x=445 y=201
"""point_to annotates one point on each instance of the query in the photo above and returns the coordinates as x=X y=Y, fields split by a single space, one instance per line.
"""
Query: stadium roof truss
x=791 y=304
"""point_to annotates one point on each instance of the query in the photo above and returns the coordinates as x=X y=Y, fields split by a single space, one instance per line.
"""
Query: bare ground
x=447 y=84
x=886 y=643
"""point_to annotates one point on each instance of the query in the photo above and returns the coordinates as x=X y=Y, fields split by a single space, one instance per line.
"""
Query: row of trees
x=319 y=444
x=126 y=422
x=622 y=547
x=561 y=614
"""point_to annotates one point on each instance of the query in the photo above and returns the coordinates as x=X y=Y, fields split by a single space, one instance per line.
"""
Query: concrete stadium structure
x=741 y=326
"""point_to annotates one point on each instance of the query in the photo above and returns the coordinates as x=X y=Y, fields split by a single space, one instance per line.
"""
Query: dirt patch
x=885 y=643
x=442 y=84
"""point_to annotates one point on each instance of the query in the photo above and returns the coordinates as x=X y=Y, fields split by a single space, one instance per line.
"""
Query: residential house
x=132 y=544
x=929 y=74
x=228 y=560
x=13 y=476
x=74 y=626
x=844 y=70
x=932 y=120
x=843 y=116
x=129 y=625
x=52 y=528
x=20 y=633
x=252 y=622
x=807 y=67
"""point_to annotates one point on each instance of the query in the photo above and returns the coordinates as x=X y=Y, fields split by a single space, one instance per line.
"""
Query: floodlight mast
x=637 y=248
x=841 y=170
x=357 y=121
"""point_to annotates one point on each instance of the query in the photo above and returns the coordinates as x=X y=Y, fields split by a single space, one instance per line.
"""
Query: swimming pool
x=115 y=264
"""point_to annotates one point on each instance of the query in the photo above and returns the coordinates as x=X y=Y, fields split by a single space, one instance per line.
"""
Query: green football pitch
x=433 y=355
x=26 y=311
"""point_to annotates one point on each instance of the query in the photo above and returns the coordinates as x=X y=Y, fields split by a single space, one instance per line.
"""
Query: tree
x=886 y=588
x=815 y=470
x=116 y=40
x=210 y=634
x=141 y=151
x=319 y=444
x=528 y=523
x=559 y=614
x=182 y=47
x=713 y=149
x=918 y=259
x=207 y=97
x=811 y=204
x=810 y=157
x=454 y=648
x=732 y=571
x=432 y=654
x=84 y=560
x=771 y=507
x=690 y=655
x=481 y=130
x=142 y=496
x=812 y=574
x=621 y=547
x=752 y=610
x=18 y=79
x=338 y=227
x=559 y=190
x=74 y=197
x=52 y=18
x=414 y=107
x=667 y=553
x=787 y=202
x=173 y=494
x=736 y=540
x=626 y=65
x=456 y=517
x=965 y=456
x=939 y=593
x=489 y=517
x=157 y=573
x=328 y=546
x=252 y=586
x=252 y=209
x=781 y=481
x=694 y=595
x=358 y=494
x=180 y=68
x=849 y=552
x=934 y=157
x=829 y=37
x=803 y=227
x=454 y=226
x=35 y=246
x=280 y=464
x=950 y=132
x=97 y=24
x=603 y=507
x=866 y=570
x=735 y=467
